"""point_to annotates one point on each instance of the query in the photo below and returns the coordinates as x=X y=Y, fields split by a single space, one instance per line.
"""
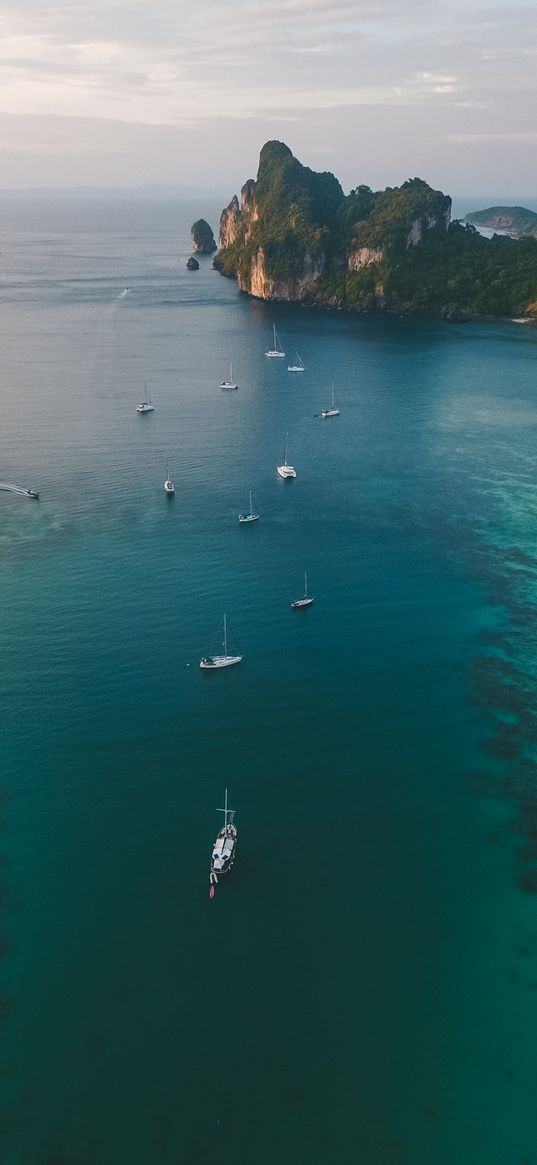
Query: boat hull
x=273 y=355
x=299 y=604
x=228 y=384
x=144 y=409
x=329 y=413
x=248 y=518
x=295 y=368
x=215 y=662
x=224 y=853
x=286 y=471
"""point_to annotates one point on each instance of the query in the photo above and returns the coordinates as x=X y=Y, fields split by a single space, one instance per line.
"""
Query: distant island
x=295 y=236
x=512 y=220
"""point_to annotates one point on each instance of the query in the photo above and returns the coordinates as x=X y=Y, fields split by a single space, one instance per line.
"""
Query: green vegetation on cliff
x=295 y=210
x=298 y=236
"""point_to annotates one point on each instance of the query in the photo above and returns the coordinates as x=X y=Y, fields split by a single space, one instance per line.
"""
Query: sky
x=128 y=92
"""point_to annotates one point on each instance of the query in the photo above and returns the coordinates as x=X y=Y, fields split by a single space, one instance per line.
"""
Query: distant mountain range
x=145 y=193
x=517 y=221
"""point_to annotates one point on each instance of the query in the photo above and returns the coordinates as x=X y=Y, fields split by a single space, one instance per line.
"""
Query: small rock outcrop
x=203 y=240
x=193 y=264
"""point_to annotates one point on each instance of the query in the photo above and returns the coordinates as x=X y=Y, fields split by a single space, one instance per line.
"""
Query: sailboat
x=225 y=846
x=169 y=487
x=145 y=406
x=298 y=366
x=333 y=410
x=286 y=470
x=250 y=516
x=211 y=662
x=229 y=383
x=276 y=349
x=306 y=600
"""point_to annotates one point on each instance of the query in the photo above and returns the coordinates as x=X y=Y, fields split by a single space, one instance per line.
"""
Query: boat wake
x=18 y=489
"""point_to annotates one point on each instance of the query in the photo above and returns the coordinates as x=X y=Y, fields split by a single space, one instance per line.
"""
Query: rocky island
x=296 y=236
x=512 y=220
x=203 y=240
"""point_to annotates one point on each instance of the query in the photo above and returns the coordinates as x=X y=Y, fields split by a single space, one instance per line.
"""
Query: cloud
x=176 y=64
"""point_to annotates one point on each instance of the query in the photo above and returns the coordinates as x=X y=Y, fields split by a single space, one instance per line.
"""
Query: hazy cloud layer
x=463 y=72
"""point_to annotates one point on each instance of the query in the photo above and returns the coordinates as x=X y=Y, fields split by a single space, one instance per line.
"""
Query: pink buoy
x=211 y=892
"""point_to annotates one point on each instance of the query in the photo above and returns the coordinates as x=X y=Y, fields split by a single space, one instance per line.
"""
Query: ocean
x=362 y=987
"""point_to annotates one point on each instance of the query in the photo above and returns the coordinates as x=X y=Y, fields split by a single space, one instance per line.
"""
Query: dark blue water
x=363 y=986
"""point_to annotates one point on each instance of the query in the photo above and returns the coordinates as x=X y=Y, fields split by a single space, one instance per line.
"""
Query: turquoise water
x=362 y=988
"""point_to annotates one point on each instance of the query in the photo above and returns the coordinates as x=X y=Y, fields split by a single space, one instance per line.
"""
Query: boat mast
x=274 y=331
x=225 y=640
x=251 y=511
x=305 y=584
x=285 y=450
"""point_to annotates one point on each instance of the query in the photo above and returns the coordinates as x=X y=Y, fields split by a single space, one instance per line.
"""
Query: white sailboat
x=229 y=383
x=276 y=349
x=298 y=366
x=333 y=410
x=169 y=487
x=211 y=662
x=250 y=516
x=146 y=406
x=225 y=846
x=306 y=599
x=286 y=470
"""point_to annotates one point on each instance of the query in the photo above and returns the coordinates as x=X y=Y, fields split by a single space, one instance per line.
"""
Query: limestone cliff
x=294 y=235
x=276 y=241
x=230 y=222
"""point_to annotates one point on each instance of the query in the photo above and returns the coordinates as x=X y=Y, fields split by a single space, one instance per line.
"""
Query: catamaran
x=169 y=487
x=298 y=366
x=276 y=349
x=225 y=846
x=211 y=662
x=229 y=383
x=286 y=470
x=333 y=410
x=306 y=600
x=250 y=516
x=145 y=406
